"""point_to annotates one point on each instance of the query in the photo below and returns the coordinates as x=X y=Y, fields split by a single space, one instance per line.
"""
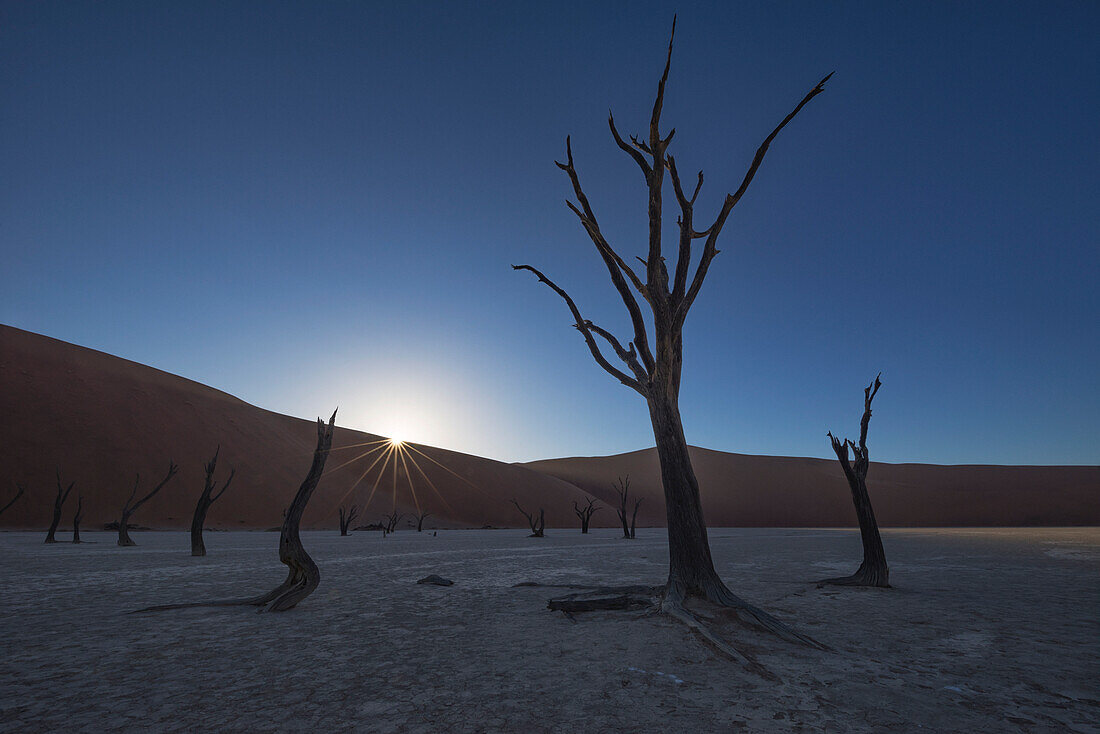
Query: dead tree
x=58 y=503
x=18 y=494
x=131 y=507
x=389 y=522
x=538 y=524
x=207 y=498
x=78 y=517
x=873 y=571
x=623 y=490
x=585 y=513
x=420 y=518
x=303 y=576
x=347 y=517
x=634 y=516
x=651 y=366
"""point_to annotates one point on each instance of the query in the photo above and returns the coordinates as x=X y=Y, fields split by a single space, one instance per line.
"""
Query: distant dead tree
x=623 y=490
x=585 y=513
x=347 y=517
x=207 y=498
x=873 y=571
x=303 y=576
x=18 y=494
x=538 y=524
x=420 y=518
x=78 y=517
x=389 y=522
x=654 y=372
x=131 y=507
x=58 y=503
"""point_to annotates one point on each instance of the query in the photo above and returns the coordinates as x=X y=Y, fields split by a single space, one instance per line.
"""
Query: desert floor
x=986 y=630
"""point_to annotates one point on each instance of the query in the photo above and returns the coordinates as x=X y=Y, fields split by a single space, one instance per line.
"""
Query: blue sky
x=317 y=204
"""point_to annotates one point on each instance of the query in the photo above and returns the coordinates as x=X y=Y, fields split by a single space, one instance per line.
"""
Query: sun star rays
x=380 y=453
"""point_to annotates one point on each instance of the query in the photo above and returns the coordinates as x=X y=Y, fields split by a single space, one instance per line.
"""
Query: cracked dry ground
x=986 y=630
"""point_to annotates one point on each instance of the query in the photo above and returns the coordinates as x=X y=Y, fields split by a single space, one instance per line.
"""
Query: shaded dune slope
x=741 y=490
x=99 y=419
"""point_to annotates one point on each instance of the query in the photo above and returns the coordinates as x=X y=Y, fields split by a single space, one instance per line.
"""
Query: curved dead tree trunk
x=11 y=502
x=347 y=517
x=78 y=517
x=131 y=507
x=652 y=365
x=303 y=576
x=536 y=523
x=420 y=521
x=58 y=503
x=207 y=498
x=623 y=490
x=634 y=517
x=873 y=571
x=585 y=513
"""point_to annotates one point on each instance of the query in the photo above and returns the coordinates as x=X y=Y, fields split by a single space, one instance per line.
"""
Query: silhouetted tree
x=207 y=498
x=58 y=503
x=873 y=571
x=131 y=507
x=78 y=517
x=585 y=513
x=623 y=490
x=303 y=576
x=389 y=522
x=420 y=518
x=347 y=517
x=654 y=371
x=538 y=524
x=18 y=494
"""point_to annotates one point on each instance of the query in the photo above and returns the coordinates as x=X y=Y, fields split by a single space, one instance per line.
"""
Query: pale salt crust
x=986 y=630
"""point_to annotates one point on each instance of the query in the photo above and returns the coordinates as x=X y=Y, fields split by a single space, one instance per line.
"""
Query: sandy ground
x=987 y=630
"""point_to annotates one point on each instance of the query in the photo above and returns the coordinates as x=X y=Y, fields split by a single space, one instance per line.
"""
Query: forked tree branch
x=584 y=327
x=710 y=248
x=616 y=266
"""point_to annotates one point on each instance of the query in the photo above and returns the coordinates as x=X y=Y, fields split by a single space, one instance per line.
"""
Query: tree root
x=669 y=600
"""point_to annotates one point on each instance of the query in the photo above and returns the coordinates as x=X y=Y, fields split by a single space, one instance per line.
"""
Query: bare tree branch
x=583 y=327
x=710 y=249
x=616 y=266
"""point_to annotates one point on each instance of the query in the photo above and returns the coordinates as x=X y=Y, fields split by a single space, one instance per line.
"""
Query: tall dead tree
x=131 y=506
x=585 y=513
x=58 y=503
x=420 y=518
x=651 y=366
x=622 y=488
x=303 y=576
x=634 y=517
x=18 y=494
x=347 y=517
x=537 y=523
x=78 y=517
x=873 y=571
x=206 y=499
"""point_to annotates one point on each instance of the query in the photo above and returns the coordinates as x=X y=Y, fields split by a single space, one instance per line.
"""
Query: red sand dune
x=740 y=490
x=100 y=419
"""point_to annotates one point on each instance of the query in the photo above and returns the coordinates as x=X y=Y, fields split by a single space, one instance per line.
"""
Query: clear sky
x=316 y=204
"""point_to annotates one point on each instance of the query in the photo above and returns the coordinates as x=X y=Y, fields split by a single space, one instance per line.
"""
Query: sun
x=396 y=441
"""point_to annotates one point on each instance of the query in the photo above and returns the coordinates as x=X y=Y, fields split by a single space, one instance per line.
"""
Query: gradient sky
x=316 y=204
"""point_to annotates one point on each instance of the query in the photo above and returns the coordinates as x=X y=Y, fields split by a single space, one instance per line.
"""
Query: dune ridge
x=100 y=418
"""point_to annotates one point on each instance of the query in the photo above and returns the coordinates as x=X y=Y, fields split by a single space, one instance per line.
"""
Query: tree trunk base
x=867 y=575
